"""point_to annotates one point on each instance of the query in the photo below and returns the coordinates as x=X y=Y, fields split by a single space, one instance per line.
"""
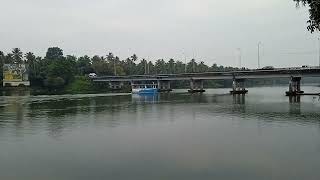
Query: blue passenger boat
x=144 y=89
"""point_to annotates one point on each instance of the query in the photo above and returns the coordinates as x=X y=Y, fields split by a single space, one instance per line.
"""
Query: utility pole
x=240 y=58
x=259 y=55
x=185 y=62
x=319 y=50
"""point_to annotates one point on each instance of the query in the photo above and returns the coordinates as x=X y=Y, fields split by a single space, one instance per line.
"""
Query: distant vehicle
x=268 y=68
x=92 y=75
x=306 y=66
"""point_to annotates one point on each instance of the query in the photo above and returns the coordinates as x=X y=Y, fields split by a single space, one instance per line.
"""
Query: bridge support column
x=196 y=86
x=238 y=87
x=164 y=86
x=294 y=87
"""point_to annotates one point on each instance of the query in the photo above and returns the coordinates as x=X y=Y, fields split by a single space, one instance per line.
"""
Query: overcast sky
x=209 y=30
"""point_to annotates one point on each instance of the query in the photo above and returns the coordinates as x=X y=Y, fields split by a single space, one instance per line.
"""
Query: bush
x=80 y=85
x=54 y=82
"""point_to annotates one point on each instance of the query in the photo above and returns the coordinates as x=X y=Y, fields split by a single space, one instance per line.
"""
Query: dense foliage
x=57 y=71
x=314 y=9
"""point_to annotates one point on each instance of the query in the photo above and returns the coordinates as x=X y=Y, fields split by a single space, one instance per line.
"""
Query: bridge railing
x=254 y=72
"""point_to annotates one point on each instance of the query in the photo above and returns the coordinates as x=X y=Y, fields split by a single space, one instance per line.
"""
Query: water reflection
x=146 y=98
x=198 y=136
x=239 y=98
x=57 y=113
x=294 y=99
x=16 y=92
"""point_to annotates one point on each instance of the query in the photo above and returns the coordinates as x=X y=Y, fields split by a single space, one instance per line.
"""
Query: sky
x=213 y=31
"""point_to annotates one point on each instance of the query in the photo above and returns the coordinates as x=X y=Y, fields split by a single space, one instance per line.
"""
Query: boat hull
x=145 y=91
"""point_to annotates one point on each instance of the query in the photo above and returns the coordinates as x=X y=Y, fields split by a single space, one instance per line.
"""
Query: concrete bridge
x=294 y=76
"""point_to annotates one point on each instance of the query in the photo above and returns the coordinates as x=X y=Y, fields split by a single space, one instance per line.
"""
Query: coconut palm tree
x=17 y=56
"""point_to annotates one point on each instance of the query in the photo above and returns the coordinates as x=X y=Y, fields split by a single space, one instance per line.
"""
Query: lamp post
x=240 y=57
x=319 y=50
x=259 y=55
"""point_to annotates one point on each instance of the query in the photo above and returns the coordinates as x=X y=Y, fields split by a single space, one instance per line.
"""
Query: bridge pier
x=196 y=86
x=164 y=86
x=238 y=87
x=294 y=87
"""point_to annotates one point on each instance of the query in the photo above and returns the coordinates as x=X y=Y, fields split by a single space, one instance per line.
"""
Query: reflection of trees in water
x=198 y=98
x=63 y=113
x=66 y=106
x=57 y=114
x=16 y=91
x=13 y=113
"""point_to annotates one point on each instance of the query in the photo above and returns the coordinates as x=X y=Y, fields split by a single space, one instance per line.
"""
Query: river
x=263 y=135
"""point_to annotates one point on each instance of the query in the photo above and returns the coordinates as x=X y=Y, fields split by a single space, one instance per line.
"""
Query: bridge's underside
x=238 y=77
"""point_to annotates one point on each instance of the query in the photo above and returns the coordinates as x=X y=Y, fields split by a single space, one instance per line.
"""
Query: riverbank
x=84 y=85
x=79 y=85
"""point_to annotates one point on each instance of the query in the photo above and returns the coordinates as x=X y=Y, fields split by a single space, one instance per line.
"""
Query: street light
x=259 y=55
x=240 y=57
x=319 y=50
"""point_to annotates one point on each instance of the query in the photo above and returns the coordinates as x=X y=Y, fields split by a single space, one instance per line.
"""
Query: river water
x=263 y=135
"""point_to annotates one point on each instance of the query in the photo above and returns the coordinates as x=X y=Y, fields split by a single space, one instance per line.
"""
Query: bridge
x=196 y=79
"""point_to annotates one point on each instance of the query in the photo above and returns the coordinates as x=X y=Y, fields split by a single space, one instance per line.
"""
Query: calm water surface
x=263 y=135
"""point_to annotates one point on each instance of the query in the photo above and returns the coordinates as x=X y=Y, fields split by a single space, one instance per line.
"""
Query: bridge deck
x=250 y=74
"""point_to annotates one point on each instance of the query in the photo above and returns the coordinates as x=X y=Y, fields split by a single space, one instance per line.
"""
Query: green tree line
x=57 y=70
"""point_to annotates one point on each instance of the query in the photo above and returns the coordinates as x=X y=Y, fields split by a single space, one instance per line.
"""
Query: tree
x=2 y=59
x=84 y=65
x=171 y=66
x=134 y=57
x=314 y=10
x=64 y=68
x=179 y=67
x=32 y=64
x=54 y=53
x=192 y=66
x=8 y=59
x=55 y=82
x=30 y=57
x=110 y=57
x=17 y=56
x=129 y=66
x=142 y=67
x=100 y=66
x=202 y=67
x=161 y=67
x=151 y=68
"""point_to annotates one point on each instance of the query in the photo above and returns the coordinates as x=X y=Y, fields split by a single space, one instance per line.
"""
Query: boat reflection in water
x=145 y=98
